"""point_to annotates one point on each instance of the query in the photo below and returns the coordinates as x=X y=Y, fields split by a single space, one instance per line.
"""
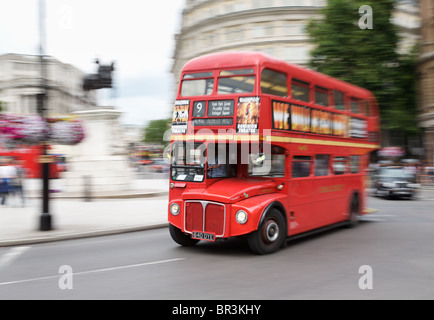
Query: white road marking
x=11 y=255
x=94 y=271
x=377 y=217
x=383 y=215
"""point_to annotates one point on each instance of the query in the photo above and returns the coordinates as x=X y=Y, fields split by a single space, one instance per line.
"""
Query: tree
x=367 y=58
x=154 y=132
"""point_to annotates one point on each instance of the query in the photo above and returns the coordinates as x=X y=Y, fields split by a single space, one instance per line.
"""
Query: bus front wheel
x=180 y=237
x=271 y=234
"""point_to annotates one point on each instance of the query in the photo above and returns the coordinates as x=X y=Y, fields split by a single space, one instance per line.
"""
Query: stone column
x=101 y=158
x=426 y=81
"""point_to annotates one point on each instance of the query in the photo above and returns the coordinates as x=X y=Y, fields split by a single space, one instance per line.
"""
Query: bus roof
x=236 y=59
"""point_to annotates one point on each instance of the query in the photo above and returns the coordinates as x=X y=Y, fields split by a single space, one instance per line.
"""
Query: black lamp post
x=45 y=218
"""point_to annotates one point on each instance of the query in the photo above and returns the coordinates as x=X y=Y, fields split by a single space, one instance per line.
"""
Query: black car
x=395 y=182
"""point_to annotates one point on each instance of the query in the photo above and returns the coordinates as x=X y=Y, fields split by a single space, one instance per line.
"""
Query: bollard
x=87 y=188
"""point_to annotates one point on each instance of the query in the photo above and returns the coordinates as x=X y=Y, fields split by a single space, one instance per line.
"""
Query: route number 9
x=199 y=109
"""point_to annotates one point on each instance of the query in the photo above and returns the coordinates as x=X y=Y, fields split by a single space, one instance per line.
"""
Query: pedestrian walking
x=3 y=184
x=16 y=183
x=7 y=173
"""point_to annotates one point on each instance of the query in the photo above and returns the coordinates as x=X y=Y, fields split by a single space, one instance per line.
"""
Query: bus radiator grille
x=205 y=216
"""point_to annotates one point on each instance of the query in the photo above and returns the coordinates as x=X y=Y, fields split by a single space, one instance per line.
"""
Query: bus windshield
x=188 y=161
x=222 y=159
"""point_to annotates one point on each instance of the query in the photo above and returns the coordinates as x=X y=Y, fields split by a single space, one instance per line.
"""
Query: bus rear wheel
x=353 y=219
x=271 y=234
x=180 y=237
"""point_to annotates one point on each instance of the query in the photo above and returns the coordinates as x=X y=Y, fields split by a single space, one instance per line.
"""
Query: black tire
x=353 y=219
x=271 y=234
x=181 y=238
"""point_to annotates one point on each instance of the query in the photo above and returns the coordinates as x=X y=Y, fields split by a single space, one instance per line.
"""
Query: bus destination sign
x=221 y=108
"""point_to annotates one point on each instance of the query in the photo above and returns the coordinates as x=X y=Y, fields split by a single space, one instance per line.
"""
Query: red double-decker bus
x=267 y=150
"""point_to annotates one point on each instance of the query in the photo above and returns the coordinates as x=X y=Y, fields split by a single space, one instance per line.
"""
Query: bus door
x=300 y=193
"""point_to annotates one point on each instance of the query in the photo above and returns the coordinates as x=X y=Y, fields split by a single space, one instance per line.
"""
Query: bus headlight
x=174 y=209
x=241 y=217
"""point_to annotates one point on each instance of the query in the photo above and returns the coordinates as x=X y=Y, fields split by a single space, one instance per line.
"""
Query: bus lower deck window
x=267 y=165
x=355 y=164
x=321 y=165
x=301 y=166
x=339 y=165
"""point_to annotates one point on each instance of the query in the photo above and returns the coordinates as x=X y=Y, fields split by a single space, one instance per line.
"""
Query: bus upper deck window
x=365 y=107
x=197 y=84
x=236 y=81
x=300 y=90
x=339 y=100
x=321 y=96
x=360 y=106
x=273 y=82
x=355 y=105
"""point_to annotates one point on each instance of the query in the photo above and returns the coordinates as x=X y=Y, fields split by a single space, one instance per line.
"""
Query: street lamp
x=45 y=218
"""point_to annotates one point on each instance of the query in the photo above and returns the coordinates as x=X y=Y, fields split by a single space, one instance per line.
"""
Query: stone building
x=426 y=74
x=276 y=27
x=20 y=83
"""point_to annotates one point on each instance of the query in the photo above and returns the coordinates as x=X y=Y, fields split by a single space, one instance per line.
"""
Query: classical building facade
x=20 y=84
x=276 y=27
x=426 y=74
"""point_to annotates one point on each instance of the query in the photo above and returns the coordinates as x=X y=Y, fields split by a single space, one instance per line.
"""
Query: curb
x=73 y=236
x=103 y=196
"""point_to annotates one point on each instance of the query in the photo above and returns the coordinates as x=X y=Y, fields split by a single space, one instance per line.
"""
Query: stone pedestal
x=100 y=160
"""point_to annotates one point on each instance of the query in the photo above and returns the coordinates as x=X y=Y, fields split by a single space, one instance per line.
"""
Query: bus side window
x=321 y=96
x=354 y=105
x=273 y=82
x=365 y=108
x=339 y=165
x=339 y=100
x=301 y=166
x=321 y=165
x=355 y=164
x=300 y=90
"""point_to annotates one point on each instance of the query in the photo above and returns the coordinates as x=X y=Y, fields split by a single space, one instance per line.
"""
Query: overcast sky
x=138 y=35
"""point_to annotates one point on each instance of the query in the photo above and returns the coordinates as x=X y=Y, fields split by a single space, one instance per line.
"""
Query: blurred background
x=149 y=46
x=104 y=74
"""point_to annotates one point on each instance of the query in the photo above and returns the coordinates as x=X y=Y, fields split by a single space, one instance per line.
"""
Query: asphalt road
x=395 y=243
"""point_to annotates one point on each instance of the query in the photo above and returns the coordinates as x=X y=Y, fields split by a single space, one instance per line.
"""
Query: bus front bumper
x=209 y=220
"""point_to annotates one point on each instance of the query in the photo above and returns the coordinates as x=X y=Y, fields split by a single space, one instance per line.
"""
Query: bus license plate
x=203 y=236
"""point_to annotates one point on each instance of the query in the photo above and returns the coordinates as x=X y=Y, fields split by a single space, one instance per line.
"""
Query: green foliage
x=154 y=132
x=367 y=58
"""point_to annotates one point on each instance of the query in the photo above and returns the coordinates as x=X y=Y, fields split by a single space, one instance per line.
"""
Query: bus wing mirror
x=258 y=159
